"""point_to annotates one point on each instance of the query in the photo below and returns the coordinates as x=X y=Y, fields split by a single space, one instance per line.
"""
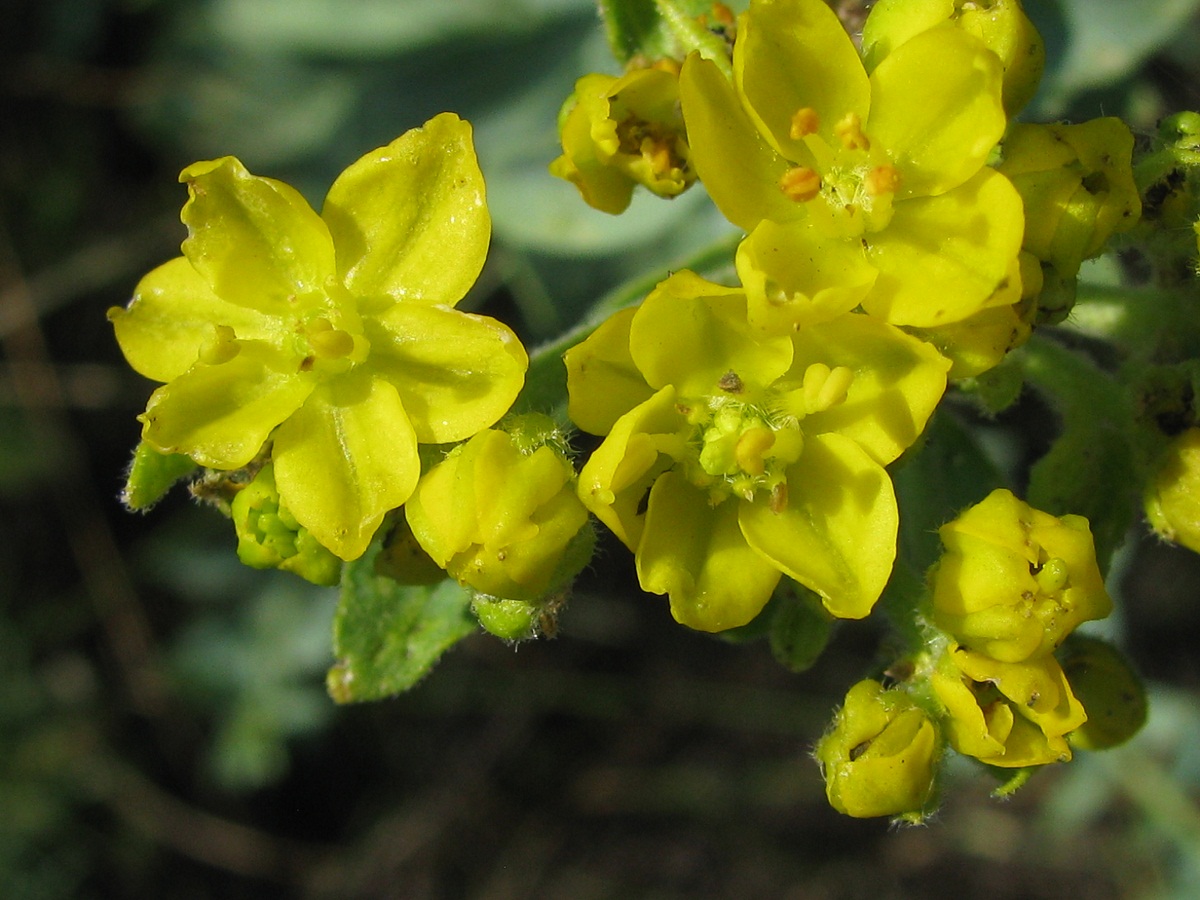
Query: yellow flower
x=880 y=756
x=1006 y=714
x=1000 y=24
x=503 y=518
x=734 y=457
x=856 y=188
x=1172 y=497
x=621 y=132
x=1015 y=581
x=332 y=335
x=1076 y=182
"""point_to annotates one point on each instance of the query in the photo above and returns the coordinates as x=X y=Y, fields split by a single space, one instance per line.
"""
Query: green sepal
x=800 y=627
x=387 y=636
x=654 y=29
x=151 y=475
x=996 y=389
x=1110 y=690
x=509 y=620
x=1012 y=780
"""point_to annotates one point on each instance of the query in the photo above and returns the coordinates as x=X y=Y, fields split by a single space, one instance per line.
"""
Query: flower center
x=850 y=187
x=328 y=331
x=741 y=448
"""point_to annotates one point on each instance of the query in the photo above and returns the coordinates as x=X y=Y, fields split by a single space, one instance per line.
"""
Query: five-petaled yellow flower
x=333 y=335
x=734 y=457
x=856 y=186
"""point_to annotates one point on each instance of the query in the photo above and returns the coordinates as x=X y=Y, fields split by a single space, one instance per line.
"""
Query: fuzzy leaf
x=387 y=636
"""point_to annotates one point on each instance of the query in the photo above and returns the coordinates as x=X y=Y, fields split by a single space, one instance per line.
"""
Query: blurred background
x=164 y=728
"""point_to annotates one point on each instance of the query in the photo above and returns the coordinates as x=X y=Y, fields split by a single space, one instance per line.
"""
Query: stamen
x=220 y=348
x=805 y=121
x=328 y=342
x=800 y=184
x=849 y=132
x=825 y=387
x=750 y=447
x=1052 y=577
x=882 y=180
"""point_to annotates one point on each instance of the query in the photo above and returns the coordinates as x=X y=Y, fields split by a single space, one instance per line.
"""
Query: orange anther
x=882 y=180
x=800 y=184
x=805 y=121
x=849 y=131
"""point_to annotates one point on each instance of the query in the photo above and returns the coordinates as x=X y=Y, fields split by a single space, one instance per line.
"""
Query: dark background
x=164 y=730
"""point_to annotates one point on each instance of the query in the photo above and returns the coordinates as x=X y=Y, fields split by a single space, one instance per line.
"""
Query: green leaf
x=1091 y=469
x=151 y=475
x=936 y=481
x=654 y=29
x=1107 y=42
x=387 y=636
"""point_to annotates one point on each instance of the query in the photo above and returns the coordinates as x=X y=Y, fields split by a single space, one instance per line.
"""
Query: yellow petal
x=456 y=373
x=255 y=240
x=936 y=108
x=344 y=459
x=409 y=220
x=172 y=317
x=944 y=258
x=837 y=533
x=220 y=415
x=602 y=381
x=738 y=167
x=697 y=555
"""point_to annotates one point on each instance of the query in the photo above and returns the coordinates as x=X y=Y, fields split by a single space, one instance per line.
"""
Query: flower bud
x=1000 y=24
x=1013 y=581
x=1109 y=689
x=1006 y=714
x=880 y=756
x=621 y=132
x=501 y=516
x=1172 y=497
x=269 y=537
x=1077 y=185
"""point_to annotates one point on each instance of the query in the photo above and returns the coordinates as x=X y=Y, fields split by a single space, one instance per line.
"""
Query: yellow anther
x=800 y=184
x=326 y=341
x=882 y=180
x=751 y=446
x=1052 y=577
x=825 y=387
x=666 y=64
x=805 y=121
x=722 y=14
x=220 y=348
x=849 y=132
x=658 y=154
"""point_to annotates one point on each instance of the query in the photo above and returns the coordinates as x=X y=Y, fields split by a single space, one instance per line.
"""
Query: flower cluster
x=1011 y=586
x=747 y=428
x=899 y=233
x=1013 y=583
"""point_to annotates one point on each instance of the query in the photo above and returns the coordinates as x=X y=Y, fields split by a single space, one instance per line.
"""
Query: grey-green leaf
x=387 y=636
